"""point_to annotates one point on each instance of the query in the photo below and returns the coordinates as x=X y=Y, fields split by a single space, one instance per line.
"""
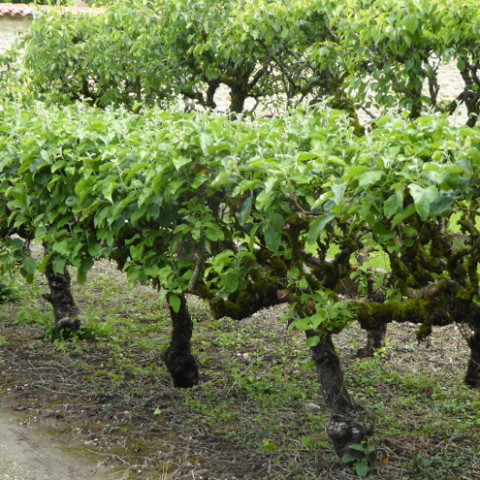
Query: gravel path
x=26 y=454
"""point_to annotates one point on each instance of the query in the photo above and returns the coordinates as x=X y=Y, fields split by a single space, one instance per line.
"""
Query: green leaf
x=85 y=265
x=138 y=214
x=317 y=227
x=108 y=190
x=349 y=458
x=441 y=205
x=399 y=218
x=370 y=177
x=313 y=341
x=273 y=231
x=357 y=446
x=305 y=156
x=265 y=198
x=392 y=206
x=222 y=260
x=307 y=442
x=174 y=302
x=29 y=266
x=136 y=251
x=355 y=171
x=214 y=233
x=411 y=23
x=165 y=275
x=362 y=469
x=59 y=265
x=81 y=276
x=338 y=192
x=245 y=210
x=231 y=280
x=179 y=162
x=423 y=198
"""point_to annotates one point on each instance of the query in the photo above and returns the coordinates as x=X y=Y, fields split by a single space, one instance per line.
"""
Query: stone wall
x=10 y=28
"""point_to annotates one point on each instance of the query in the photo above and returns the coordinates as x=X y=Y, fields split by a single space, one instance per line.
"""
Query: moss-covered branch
x=435 y=308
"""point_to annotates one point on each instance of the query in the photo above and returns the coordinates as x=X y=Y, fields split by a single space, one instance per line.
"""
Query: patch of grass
x=258 y=412
x=8 y=291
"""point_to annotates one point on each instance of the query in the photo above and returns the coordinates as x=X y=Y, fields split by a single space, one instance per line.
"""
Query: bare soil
x=110 y=401
x=69 y=391
x=26 y=453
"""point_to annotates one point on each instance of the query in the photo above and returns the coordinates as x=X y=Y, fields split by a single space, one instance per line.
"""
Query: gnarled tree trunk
x=64 y=309
x=347 y=423
x=375 y=337
x=178 y=357
x=238 y=95
x=375 y=341
x=472 y=378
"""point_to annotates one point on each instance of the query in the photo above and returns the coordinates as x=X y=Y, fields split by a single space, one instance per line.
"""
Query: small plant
x=383 y=353
x=358 y=460
x=269 y=446
x=93 y=330
x=8 y=292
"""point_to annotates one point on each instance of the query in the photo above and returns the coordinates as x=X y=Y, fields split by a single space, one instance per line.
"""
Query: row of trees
x=360 y=54
x=249 y=213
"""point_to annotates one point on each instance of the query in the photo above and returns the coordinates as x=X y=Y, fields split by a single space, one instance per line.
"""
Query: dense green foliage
x=217 y=207
x=48 y=2
x=357 y=54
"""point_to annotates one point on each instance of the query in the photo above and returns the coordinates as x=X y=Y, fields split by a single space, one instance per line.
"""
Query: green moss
x=259 y=294
x=373 y=315
x=278 y=266
x=462 y=295
x=424 y=331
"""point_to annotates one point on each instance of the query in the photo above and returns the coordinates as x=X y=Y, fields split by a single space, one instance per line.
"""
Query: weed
x=9 y=291
x=359 y=457
x=93 y=329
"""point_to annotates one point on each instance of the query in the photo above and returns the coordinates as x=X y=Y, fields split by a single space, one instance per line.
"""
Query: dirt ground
x=28 y=454
x=109 y=403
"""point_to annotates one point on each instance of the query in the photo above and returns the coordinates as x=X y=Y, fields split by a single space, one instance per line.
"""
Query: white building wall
x=10 y=28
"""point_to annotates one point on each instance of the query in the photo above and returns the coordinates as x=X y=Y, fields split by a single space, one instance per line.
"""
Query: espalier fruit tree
x=248 y=214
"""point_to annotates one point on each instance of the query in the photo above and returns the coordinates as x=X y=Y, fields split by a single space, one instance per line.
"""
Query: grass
x=257 y=413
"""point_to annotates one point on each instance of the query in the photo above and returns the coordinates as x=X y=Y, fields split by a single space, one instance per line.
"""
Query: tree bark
x=347 y=424
x=212 y=88
x=376 y=337
x=238 y=95
x=60 y=297
x=375 y=341
x=472 y=377
x=178 y=357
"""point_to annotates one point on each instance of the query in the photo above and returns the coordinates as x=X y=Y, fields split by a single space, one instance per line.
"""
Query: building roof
x=15 y=10
x=23 y=10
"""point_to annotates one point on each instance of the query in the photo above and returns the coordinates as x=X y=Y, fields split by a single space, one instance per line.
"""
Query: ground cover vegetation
x=256 y=413
x=246 y=212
